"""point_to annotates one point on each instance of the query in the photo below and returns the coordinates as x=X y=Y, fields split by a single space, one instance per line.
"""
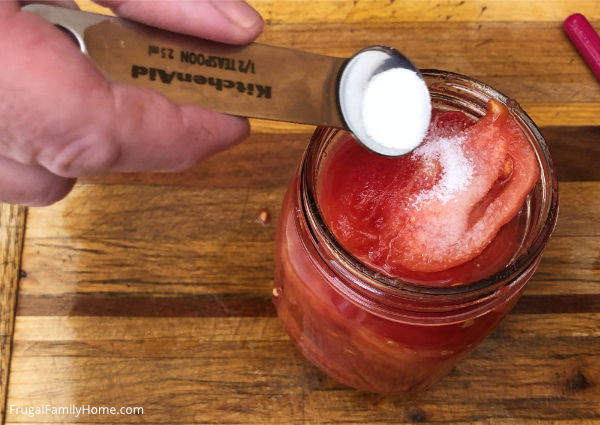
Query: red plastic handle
x=585 y=39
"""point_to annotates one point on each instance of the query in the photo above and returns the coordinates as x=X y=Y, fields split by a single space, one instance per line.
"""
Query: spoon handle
x=254 y=80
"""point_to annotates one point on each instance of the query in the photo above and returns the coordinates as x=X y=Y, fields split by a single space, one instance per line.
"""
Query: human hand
x=61 y=119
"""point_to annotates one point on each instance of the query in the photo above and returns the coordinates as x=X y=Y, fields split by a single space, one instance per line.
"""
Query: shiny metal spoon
x=253 y=80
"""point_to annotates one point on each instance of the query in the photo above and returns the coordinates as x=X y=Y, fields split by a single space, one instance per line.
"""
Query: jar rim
x=324 y=236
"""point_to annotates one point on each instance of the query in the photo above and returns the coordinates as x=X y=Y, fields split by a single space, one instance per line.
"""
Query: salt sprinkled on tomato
x=455 y=170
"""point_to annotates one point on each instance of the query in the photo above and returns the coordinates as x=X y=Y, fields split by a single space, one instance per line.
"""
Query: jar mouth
x=458 y=92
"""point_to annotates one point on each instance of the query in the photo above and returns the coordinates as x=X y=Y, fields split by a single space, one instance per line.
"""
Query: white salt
x=456 y=170
x=396 y=109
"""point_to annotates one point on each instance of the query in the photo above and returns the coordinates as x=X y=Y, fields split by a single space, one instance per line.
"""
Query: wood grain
x=172 y=369
x=575 y=152
x=305 y=11
x=12 y=229
x=295 y=11
x=223 y=250
x=532 y=62
x=154 y=289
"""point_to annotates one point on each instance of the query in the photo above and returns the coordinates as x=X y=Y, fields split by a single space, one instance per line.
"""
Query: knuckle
x=82 y=157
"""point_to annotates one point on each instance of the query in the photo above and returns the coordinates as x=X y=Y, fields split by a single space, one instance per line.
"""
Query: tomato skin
x=394 y=215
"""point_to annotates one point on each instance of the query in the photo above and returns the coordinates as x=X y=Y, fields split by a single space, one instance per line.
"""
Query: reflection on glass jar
x=384 y=334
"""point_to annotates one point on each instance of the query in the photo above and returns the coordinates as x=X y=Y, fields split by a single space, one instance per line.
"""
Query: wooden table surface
x=154 y=290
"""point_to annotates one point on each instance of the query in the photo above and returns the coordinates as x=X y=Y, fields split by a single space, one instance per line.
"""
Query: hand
x=61 y=119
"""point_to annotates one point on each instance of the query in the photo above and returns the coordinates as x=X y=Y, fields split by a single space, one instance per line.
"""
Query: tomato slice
x=439 y=206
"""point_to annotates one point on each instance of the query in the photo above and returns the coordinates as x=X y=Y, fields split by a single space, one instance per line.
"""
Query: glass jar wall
x=379 y=333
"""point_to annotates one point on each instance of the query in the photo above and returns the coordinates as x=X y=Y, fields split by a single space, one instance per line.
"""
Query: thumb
x=226 y=21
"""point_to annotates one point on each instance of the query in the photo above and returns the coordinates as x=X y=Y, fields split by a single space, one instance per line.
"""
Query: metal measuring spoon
x=253 y=80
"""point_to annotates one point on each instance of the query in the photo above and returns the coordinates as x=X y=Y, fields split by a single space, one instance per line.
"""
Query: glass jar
x=386 y=335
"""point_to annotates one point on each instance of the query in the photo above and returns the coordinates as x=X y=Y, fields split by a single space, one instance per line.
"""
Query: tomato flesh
x=437 y=208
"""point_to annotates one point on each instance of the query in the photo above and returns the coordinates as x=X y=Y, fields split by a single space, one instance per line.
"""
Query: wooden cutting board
x=153 y=290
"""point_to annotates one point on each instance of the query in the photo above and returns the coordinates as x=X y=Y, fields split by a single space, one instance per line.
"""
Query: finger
x=153 y=133
x=227 y=21
x=8 y=7
x=70 y=4
x=31 y=185
x=60 y=112
x=133 y=129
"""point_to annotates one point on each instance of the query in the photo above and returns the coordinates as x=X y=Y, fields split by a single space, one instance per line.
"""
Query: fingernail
x=238 y=12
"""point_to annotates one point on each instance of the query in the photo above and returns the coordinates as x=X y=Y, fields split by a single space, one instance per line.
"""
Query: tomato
x=438 y=207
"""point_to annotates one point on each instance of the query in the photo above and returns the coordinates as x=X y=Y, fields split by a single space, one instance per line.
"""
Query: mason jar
x=383 y=334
